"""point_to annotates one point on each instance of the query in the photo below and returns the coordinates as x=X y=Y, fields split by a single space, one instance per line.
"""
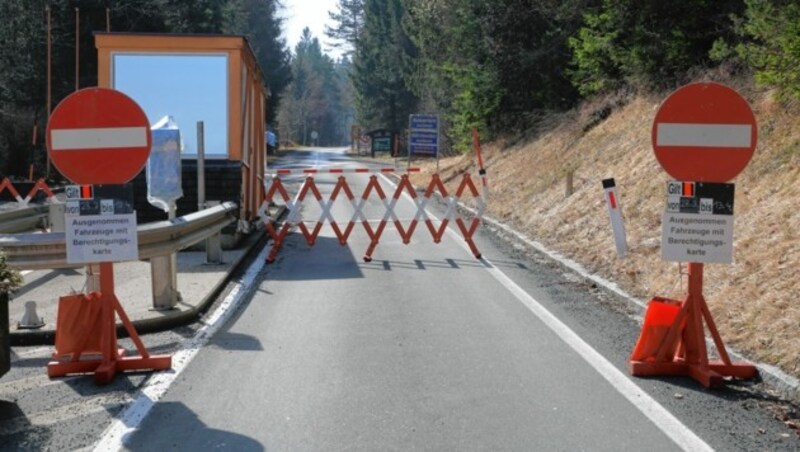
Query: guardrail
x=157 y=242
x=48 y=250
x=23 y=219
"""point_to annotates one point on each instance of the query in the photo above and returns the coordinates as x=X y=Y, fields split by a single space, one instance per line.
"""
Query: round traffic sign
x=704 y=132
x=98 y=136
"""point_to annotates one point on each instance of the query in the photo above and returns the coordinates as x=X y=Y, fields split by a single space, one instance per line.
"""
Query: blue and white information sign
x=424 y=137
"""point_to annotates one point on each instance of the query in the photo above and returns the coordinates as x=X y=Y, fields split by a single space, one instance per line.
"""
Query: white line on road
x=157 y=385
x=684 y=437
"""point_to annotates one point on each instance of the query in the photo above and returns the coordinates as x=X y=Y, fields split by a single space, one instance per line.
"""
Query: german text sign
x=704 y=132
x=101 y=238
x=697 y=225
x=100 y=227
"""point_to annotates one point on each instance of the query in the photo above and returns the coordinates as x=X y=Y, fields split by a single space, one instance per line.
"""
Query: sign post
x=100 y=136
x=703 y=135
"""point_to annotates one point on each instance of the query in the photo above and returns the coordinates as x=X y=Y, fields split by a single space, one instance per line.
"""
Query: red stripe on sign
x=336 y=171
x=310 y=171
x=387 y=170
x=612 y=200
x=284 y=171
x=362 y=170
x=413 y=170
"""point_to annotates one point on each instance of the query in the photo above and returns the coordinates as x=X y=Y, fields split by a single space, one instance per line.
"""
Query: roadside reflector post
x=615 y=214
x=703 y=135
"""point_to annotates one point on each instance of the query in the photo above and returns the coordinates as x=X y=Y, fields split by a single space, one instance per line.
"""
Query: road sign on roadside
x=98 y=136
x=100 y=224
x=424 y=135
x=697 y=225
x=704 y=132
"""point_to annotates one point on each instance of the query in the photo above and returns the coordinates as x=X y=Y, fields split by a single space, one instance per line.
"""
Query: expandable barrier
x=40 y=185
x=466 y=227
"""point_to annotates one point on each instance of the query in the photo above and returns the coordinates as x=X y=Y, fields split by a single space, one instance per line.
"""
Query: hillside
x=751 y=300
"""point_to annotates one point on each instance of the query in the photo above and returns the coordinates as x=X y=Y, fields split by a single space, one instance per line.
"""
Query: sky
x=308 y=13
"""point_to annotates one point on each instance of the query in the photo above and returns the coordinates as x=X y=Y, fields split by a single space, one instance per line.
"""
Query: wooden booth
x=190 y=78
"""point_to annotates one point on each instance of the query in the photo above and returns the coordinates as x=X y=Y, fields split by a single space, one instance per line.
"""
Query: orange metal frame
x=691 y=357
x=247 y=95
x=112 y=359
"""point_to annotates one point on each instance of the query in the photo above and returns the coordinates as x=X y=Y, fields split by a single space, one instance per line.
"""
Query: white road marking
x=100 y=138
x=157 y=385
x=684 y=437
x=704 y=135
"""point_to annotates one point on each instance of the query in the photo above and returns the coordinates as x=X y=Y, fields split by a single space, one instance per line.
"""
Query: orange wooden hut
x=210 y=78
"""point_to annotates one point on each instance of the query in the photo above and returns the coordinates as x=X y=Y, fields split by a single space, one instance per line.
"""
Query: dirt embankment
x=752 y=300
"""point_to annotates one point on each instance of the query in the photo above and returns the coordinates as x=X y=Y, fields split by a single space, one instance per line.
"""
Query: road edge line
x=129 y=419
x=665 y=421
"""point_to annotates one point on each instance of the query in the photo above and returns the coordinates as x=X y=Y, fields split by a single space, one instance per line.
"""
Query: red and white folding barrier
x=466 y=227
x=40 y=185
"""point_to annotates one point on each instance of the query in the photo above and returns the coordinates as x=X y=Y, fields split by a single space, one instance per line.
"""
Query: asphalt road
x=423 y=348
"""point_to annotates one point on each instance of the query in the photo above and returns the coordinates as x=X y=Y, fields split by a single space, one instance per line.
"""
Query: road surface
x=423 y=348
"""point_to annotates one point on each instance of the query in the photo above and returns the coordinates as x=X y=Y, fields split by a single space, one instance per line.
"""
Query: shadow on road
x=187 y=432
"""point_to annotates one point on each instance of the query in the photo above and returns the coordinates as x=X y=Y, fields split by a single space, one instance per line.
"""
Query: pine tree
x=349 y=20
x=259 y=20
x=382 y=66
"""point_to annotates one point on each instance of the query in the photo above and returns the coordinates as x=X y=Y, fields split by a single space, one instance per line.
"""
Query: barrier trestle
x=276 y=191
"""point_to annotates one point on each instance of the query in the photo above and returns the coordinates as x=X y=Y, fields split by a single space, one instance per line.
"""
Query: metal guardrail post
x=56 y=217
x=214 y=243
x=165 y=294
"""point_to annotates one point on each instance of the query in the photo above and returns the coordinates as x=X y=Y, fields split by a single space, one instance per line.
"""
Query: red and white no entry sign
x=704 y=132
x=98 y=136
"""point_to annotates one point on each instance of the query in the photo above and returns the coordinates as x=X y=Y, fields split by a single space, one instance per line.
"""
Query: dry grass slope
x=752 y=300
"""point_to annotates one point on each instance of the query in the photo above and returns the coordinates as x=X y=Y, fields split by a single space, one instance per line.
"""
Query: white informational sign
x=698 y=223
x=101 y=238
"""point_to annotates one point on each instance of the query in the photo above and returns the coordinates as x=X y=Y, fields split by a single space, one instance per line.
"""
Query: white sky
x=308 y=13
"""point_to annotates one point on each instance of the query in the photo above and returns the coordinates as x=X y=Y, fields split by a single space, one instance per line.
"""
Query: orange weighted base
x=658 y=318
x=680 y=349
x=86 y=336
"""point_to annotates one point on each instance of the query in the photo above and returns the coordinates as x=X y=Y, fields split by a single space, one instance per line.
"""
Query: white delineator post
x=615 y=213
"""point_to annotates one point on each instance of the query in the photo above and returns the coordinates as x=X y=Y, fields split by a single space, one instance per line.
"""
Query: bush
x=10 y=278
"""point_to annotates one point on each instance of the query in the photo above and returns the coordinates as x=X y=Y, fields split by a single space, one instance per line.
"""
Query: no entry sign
x=704 y=132
x=98 y=136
